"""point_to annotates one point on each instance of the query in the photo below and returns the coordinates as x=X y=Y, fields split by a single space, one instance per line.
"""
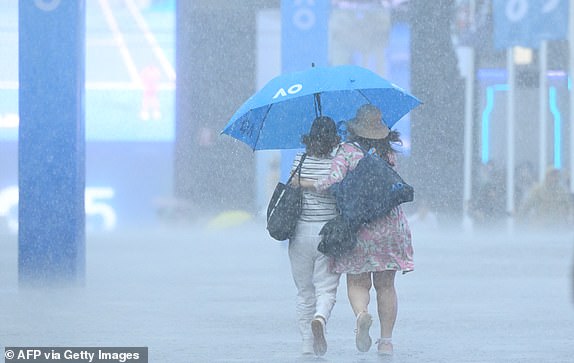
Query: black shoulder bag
x=367 y=192
x=284 y=207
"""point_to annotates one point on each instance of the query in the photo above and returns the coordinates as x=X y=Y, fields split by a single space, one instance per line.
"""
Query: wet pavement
x=197 y=295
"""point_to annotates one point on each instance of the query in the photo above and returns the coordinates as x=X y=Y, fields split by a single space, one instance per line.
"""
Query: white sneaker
x=307 y=347
x=319 y=342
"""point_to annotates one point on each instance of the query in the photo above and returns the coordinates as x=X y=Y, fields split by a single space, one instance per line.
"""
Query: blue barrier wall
x=51 y=141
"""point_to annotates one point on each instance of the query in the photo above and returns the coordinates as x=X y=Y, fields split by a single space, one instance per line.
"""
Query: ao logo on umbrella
x=291 y=90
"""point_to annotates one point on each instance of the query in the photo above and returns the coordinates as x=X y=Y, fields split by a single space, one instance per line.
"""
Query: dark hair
x=383 y=147
x=322 y=138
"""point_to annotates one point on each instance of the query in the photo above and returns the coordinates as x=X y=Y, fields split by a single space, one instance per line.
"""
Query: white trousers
x=316 y=285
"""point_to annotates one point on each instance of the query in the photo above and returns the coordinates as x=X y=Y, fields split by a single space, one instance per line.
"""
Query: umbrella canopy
x=283 y=110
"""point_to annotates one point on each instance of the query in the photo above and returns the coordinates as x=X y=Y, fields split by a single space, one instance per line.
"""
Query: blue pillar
x=304 y=40
x=51 y=148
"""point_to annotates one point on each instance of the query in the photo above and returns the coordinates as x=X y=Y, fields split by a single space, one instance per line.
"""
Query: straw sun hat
x=368 y=123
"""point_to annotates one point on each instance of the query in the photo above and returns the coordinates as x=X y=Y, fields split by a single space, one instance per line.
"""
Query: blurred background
x=154 y=150
x=178 y=258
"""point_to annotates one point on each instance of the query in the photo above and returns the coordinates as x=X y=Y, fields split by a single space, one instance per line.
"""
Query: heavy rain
x=135 y=183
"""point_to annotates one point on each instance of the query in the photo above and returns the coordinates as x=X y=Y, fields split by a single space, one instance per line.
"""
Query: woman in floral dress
x=383 y=246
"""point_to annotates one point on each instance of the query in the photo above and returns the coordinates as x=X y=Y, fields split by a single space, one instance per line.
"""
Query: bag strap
x=360 y=147
x=297 y=169
x=372 y=152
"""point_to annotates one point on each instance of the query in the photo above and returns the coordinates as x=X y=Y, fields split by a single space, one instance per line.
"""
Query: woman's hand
x=303 y=183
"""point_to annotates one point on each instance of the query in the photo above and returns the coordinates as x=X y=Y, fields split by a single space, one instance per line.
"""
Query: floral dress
x=385 y=243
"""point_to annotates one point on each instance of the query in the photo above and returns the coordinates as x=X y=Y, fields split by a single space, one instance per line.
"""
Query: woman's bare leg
x=358 y=291
x=387 y=304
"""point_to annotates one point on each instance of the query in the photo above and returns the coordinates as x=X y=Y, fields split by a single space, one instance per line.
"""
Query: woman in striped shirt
x=316 y=284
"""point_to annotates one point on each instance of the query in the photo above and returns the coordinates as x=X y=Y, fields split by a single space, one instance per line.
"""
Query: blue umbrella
x=283 y=110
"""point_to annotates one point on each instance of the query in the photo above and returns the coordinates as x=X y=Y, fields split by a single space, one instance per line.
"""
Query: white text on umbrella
x=291 y=90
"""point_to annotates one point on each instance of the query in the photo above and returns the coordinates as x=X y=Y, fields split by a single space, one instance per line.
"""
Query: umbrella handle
x=317 y=100
x=317 y=104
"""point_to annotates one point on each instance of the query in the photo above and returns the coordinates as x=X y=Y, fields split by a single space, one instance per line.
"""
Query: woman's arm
x=303 y=183
x=347 y=156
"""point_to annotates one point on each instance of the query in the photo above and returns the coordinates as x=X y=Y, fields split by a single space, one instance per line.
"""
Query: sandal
x=385 y=346
x=362 y=338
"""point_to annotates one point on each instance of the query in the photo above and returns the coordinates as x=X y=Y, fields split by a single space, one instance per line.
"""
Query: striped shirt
x=317 y=207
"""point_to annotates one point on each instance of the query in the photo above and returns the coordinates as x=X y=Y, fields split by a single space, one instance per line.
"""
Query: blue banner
x=51 y=171
x=304 y=40
x=304 y=34
x=528 y=22
x=552 y=20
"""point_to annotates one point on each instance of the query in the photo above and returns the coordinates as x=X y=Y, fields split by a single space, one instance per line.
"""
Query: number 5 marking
x=9 y=202
x=95 y=207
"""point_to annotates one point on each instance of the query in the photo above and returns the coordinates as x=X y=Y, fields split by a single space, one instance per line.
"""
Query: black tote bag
x=338 y=237
x=284 y=207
